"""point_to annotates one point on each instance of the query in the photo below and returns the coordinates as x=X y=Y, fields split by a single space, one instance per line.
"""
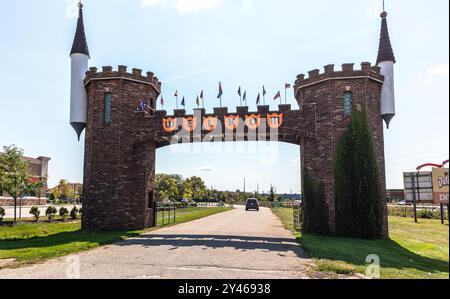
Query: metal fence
x=166 y=213
x=430 y=212
x=297 y=222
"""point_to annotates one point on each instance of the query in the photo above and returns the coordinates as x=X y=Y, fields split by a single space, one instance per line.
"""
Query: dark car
x=252 y=204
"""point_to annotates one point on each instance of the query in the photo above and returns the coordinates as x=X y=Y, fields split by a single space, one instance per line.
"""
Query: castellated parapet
x=121 y=73
x=347 y=71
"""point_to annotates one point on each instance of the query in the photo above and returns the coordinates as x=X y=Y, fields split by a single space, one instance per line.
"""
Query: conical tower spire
x=79 y=57
x=385 y=52
x=80 y=45
x=386 y=61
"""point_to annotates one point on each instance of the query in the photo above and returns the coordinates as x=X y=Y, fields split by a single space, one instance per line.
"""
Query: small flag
x=183 y=103
x=258 y=100
x=277 y=96
x=176 y=94
x=264 y=90
x=220 y=91
x=245 y=96
x=239 y=91
x=201 y=95
x=198 y=102
x=287 y=86
x=162 y=101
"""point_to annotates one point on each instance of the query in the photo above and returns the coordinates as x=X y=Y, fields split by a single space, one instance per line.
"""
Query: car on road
x=252 y=204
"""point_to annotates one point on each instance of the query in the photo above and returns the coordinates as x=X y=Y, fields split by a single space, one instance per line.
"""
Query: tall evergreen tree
x=359 y=204
x=315 y=209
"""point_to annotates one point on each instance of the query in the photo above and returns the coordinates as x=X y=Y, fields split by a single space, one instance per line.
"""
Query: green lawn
x=414 y=250
x=190 y=214
x=27 y=243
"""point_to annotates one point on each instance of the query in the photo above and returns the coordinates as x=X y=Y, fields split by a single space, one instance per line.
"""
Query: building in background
x=38 y=168
x=427 y=187
x=395 y=195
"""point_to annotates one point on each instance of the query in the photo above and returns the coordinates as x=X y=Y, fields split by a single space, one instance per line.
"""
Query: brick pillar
x=119 y=168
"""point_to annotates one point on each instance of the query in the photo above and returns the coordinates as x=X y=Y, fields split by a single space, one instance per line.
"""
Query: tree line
x=176 y=188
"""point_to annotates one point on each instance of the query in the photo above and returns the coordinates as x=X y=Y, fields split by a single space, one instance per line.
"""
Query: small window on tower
x=108 y=97
x=348 y=103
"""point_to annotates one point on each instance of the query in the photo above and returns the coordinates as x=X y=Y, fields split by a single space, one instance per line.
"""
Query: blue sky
x=192 y=44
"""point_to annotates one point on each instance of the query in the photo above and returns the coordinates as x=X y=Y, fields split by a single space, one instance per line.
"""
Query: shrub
x=359 y=204
x=2 y=214
x=63 y=212
x=427 y=215
x=50 y=213
x=36 y=213
x=74 y=213
x=315 y=216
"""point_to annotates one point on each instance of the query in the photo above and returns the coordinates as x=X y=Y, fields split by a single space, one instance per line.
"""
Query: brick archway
x=119 y=168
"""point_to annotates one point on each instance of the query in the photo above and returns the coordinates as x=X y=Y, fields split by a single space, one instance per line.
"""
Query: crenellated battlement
x=121 y=73
x=223 y=111
x=347 y=71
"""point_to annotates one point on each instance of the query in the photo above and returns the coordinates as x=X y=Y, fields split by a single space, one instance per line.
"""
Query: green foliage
x=359 y=204
x=2 y=213
x=272 y=194
x=15 y=177
x=64 y=192
x=74 y=213
x=197 y=186
x=63 y=212
x=426 y=215
x=50 y=213
x=36 y=213
x=315 y=208
x=169 y=186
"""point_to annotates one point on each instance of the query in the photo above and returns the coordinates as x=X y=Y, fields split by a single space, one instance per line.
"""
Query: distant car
x=252 y=204
x=401 y=203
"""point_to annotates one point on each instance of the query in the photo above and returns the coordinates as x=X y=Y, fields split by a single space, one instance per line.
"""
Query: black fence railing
x=166 y=213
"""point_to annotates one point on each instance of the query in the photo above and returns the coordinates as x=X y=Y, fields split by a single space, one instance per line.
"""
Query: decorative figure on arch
x=189 y=123
x=169 y=124
x=253 y=121
x=210 y=123
x=232 y=122
x=275 y=120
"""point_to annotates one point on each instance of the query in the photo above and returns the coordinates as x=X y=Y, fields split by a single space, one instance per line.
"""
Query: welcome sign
x=440 y=185
x=230 y=122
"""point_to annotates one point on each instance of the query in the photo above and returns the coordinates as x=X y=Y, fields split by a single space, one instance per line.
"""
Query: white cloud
x=206 y=169
x=72 y=9
x=186 y=6
x=194 y=73
x=151 y=2
x=440 y=70
x=373 y=8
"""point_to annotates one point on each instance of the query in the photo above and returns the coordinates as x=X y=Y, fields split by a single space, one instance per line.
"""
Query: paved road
x=231 y=245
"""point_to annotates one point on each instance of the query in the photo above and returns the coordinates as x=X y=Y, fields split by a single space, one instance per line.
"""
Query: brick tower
x=113 y=153
x=329 y=97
